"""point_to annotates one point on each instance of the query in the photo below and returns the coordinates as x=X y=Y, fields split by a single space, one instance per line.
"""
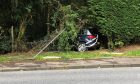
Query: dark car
x=86 y=40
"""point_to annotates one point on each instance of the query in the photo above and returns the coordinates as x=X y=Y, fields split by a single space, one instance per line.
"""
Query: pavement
x=70 y=64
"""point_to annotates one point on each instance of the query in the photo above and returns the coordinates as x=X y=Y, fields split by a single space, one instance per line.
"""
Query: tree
x=117 y=19
x=67 y=39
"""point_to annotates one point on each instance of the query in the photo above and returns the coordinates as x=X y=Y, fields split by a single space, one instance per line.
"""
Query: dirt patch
x=128 y=48
x=119 y=50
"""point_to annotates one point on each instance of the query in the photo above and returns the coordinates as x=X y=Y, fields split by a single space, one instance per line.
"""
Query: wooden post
x=12 y=37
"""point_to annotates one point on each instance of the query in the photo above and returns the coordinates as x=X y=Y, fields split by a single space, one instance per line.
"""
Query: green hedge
x=119 y=20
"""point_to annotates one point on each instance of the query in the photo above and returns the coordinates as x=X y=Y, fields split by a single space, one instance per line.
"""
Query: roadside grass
x=13 y=57
x=70 y=55
x=65 y=56
x=133 y=53
x=87 y=55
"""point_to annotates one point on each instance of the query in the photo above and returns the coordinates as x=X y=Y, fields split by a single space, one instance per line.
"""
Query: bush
x=5 y=45
x=67 y=39
x=117 y=19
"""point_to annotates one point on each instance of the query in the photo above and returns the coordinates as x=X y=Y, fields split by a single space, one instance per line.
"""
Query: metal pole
x=49 y=43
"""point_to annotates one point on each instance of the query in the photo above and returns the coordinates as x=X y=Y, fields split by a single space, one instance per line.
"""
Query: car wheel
x=82 y=47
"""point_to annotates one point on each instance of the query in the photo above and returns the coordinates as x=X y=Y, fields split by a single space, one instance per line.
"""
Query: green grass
x=88 y=55
x=64 y=56
x=76 y=55
x=13 y=58
x=4 y=59
x=135 y=53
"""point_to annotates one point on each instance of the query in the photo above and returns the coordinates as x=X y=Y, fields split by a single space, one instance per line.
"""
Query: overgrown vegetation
x=117 y=20
x=69 y=36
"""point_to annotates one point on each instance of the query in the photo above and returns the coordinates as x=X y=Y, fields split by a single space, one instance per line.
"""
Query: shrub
x=5 y=45
x=117 y=19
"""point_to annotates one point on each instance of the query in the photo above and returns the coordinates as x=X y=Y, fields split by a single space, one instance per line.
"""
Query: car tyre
x=82 y=47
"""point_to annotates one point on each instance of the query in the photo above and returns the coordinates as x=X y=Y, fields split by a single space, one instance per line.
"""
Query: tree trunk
x=19 y=44
x=110 y=44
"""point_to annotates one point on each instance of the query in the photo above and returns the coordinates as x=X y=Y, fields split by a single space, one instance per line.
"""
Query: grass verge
x=88 y=55
x=64 y=56
x=16 y=57
x=133 y=53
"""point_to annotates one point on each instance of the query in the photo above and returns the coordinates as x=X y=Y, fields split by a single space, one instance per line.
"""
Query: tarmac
x=70 y=64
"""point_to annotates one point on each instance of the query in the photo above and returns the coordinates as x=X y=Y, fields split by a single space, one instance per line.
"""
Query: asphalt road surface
x=74 y=76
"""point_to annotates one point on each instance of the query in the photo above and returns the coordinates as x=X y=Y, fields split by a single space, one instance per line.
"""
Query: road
x=73 y=76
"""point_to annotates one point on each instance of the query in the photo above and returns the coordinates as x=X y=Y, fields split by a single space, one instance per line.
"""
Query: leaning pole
x=49 y=43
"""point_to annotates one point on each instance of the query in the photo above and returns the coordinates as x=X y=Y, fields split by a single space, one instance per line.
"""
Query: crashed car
x=86 y=40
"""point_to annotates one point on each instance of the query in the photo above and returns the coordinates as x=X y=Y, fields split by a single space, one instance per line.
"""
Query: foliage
x=4 y=41
x=67 y=39
x=5 y=44
x=117 y=19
